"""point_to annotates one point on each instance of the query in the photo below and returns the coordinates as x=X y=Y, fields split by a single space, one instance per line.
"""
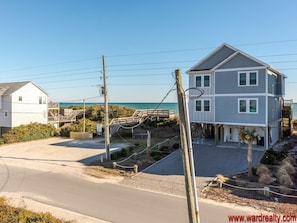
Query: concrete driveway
x=209 y=161
x=54 y=152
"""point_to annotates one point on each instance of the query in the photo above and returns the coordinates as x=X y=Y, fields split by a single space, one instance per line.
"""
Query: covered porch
x=227 y=135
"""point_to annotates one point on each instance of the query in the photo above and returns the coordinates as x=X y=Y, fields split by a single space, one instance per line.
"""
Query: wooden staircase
x=287 y=117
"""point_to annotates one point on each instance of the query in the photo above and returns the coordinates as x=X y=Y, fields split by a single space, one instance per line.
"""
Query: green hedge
x=90 y=126
x=29 y=132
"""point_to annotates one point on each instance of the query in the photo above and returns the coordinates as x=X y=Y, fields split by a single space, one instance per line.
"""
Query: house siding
x=29 y=110
x=6 y=121
x=202 y=116
x=228 y=111
x=21 y=105
x=274 y=108
x=227 y=83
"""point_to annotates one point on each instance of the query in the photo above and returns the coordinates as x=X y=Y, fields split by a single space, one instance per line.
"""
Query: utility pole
x=84 y=127
x=184 y=134
x=106 y=118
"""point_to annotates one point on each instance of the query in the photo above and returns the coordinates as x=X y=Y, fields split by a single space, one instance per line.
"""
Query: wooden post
x=216 y=134
x=185 y=150
x=106 y=118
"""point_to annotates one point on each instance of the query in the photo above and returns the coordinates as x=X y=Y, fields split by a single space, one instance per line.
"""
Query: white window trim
x=247 y=101
x=202 y=105
x=202 y=80
x=248 y=78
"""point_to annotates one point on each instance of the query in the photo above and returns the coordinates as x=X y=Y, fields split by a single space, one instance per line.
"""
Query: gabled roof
x=221 y=56
x=9 y=88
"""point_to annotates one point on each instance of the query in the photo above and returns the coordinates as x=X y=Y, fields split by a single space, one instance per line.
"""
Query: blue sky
x=58 y=44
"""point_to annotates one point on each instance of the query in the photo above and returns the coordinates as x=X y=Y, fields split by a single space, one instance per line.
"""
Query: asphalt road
x=49 y=172
x=105 y=201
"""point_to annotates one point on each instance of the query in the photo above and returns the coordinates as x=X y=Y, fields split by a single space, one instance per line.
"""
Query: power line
x=156 y=52
x=51 y=64
x=202 y=48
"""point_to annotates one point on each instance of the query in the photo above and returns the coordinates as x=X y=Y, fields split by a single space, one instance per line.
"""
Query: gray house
x=238 y=91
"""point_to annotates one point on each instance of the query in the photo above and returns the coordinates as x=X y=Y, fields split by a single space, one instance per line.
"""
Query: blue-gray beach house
x=239 y=91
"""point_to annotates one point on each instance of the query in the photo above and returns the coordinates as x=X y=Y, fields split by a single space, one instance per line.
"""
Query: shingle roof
x=9 y=88
x=222 y=55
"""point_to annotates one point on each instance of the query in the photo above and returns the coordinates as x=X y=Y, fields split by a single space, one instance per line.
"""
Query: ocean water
x=138 y=105
x=135 y=105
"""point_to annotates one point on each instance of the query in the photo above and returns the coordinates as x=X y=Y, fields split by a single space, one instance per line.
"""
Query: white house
x=22 y=103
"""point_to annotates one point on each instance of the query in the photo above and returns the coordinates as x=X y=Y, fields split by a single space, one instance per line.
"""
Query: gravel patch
x=169 y=184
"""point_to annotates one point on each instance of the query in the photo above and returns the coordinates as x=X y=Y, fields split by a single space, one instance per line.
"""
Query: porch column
x=222 y=134
x=216 y=134
x=266 y=140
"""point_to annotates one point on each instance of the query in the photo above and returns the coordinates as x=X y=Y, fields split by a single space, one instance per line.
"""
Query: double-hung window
x=247 y=78
x=248 y=105
x=202 y=105
x=203 y=80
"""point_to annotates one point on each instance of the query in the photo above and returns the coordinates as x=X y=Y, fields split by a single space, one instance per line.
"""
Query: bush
x=269 y=157
x=90 y=126
x=29 y=132
x=131 y=149
x=115 y=155
x=290 y=160
x=266 y=179
x=124 y=152
x=263 y=170
x=288 y=167
x=283 y=177
x=285 y=180
x=175 y=146
x=156 y=155
x=165 y=149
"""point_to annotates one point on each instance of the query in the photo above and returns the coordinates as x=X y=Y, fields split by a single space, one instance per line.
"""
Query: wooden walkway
x=138 y=117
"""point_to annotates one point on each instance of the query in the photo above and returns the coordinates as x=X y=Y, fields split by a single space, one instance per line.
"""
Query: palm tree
x=250 y=136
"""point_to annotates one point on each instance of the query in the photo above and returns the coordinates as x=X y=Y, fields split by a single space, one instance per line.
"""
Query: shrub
x=288 y=167
x=283 y=177
x=115 y=155
x=29 y=132
x=164 y=149
x=265 y=175
x=131 y=149
x=156 y=155
x=175 y=146
x=289 y=159
x=285 y=180
x=262 y=169
x=269 y=157
x=124 y=152
x=266 y=179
